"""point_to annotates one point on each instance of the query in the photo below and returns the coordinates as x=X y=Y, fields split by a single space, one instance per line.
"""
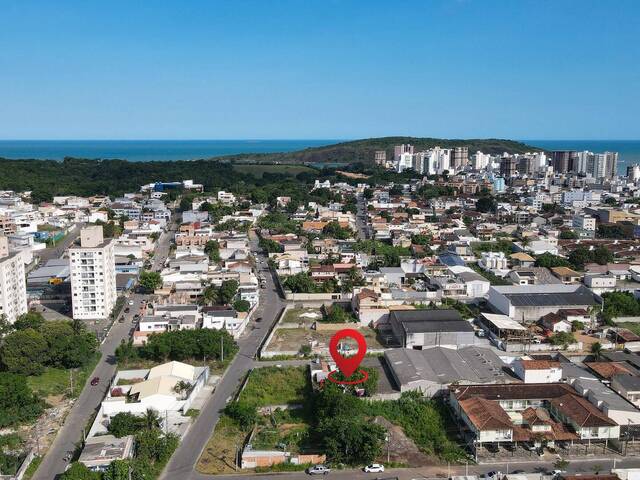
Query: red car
x=95 y=381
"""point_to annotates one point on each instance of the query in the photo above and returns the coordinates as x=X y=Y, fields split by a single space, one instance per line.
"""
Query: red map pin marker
x=348 y=365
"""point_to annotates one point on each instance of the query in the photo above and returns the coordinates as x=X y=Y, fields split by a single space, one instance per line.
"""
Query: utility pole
x=71 y=380
x=221 y=349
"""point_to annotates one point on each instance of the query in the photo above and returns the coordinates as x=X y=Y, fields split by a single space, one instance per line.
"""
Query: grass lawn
x=55 y=381
x=277 y=386
x=305 y=315
x=218 y=455
x=260 y=170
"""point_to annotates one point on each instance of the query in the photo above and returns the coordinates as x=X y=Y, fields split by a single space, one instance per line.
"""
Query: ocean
x=147 y=150
x=164 y=150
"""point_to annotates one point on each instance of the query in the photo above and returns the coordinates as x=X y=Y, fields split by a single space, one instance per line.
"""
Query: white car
x=318 y=470
x=374 y=468
x=130 y=302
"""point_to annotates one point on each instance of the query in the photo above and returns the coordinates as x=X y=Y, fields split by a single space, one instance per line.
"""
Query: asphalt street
x=182 y=464
x=58 y=250
x=442 y=471
x=89 y=400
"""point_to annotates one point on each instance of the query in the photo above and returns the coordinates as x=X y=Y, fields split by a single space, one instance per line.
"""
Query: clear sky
x=335 y=69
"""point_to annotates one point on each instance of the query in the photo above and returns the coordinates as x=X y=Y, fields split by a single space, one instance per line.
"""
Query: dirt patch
x=401 y=448
x=220 y=452
x=291 y=339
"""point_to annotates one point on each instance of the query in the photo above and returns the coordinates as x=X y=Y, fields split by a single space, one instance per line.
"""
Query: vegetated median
x=279 y=410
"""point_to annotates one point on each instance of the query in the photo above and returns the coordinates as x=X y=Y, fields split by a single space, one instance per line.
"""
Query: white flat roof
x=503 y=321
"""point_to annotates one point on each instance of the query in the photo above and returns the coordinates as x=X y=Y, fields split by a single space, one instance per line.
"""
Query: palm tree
x=596 y=350
x=151 y=419
x=181 y=387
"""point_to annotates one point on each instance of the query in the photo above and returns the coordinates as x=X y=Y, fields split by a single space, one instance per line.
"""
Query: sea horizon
x=141 y=150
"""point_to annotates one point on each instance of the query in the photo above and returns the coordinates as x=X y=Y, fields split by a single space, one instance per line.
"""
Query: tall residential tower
x=13 y=286
x=93 y=275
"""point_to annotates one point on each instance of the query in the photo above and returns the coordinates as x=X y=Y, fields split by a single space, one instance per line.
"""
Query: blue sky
x=319 y=69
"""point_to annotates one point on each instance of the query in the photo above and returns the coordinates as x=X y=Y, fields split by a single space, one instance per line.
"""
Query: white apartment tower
x=93 y=275
x=13 y=286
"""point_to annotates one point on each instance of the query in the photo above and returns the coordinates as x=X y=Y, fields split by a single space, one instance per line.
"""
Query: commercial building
x=419 y=329
x=528 y=303
x=13 y=287
x=93 y=275
x=431 y=371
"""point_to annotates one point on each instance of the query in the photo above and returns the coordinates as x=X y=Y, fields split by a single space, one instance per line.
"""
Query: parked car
x=130 y=302
x=259 y=319
x=121 y=320
x=95 y=381
x=318 y=470
x=374 y=468
x=127 y=310
x=492 y=475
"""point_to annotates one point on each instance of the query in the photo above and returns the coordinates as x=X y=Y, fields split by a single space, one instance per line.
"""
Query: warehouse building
x=420 y=329
x=431 y=371
x=529 y=303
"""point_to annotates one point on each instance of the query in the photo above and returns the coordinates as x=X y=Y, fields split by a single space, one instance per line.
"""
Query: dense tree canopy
x=17 y=402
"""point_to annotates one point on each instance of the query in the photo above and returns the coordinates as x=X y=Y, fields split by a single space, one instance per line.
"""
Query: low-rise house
x=537 y=371
x=566 y=275
x=627 y=386
x=169 y=388
x=100 y=451
x=553 y=322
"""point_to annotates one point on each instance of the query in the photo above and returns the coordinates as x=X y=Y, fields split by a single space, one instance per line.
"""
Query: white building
x=93 y=275
x=584 y=222
x=537 y=371
x=494 y=262
x=13 y=287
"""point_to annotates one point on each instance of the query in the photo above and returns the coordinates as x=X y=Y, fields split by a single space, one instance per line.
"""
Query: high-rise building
x=563 y=160
x=605 y=165
x=508 y=166
x=527 y=165
x=13 y=286
x=480 y=160
x=93 y=275
x=633 y=172
x=459 y=158
x=381 y=157
x=401 y=149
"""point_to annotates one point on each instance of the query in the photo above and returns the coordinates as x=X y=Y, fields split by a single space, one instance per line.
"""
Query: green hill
x=364 y=150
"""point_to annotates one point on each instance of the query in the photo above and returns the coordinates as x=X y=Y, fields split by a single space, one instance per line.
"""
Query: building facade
x=93 y=275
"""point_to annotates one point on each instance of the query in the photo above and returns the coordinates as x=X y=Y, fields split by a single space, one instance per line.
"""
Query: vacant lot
x=219 y=454
x=57 y=381
x=291 y=339
x=277 y=386
x=302 y=315
x=260 y=170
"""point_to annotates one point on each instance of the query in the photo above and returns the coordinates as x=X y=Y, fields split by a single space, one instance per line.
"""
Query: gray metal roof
x=581 y=296
x=420 y=321
x=443 y=365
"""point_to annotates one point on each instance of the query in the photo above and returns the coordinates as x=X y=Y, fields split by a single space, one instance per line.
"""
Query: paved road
x=581 y=466
x=361 y=218
x=182 y=464
x=89 y=400
x=57 y=251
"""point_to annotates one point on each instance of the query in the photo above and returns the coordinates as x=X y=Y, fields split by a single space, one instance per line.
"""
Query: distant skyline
x=332 y=69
